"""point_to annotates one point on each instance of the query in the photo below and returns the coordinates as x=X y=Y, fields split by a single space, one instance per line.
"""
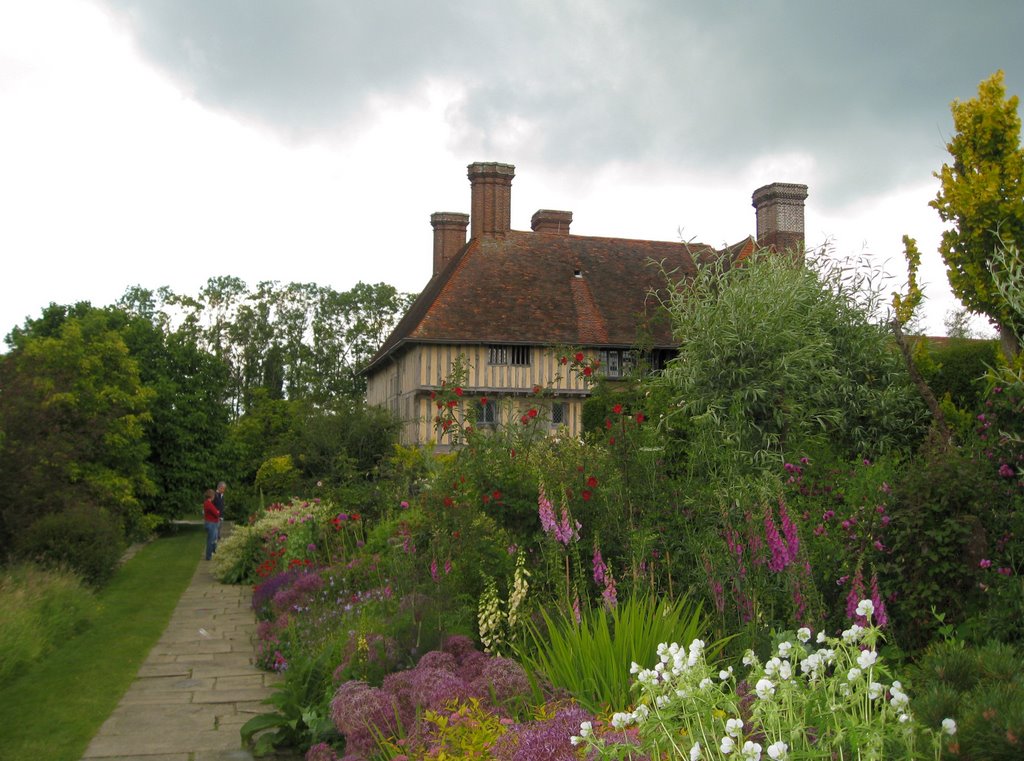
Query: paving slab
x=197 y=686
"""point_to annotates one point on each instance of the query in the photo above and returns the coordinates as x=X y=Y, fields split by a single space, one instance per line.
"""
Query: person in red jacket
x=211 y=518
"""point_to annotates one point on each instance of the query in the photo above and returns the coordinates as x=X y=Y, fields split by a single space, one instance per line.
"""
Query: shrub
x=86 y=539
x=590 y=659
x=40 y=609
x=822 y=700
x=984 y=688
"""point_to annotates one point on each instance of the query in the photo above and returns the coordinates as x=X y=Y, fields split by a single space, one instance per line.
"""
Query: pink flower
x=1006 y=471
x=985 y=563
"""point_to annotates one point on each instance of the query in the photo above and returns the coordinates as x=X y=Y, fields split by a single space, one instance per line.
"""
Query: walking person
x=211 y=520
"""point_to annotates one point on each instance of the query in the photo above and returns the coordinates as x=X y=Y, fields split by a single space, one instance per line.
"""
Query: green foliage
x=958 y=367
x=777 y=359
x=277 y=478
x=74 y=417
x=39 y=610
x=591 y=658
x=947 y=515
x=983 y=688
x=982 y=195
x=302 y=717
x=88 y=540
x=464 y=731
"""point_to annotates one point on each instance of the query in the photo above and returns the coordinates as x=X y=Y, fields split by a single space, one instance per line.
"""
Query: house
x=505 y=298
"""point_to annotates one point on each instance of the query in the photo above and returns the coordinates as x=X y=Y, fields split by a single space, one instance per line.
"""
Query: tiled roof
x=545 y=289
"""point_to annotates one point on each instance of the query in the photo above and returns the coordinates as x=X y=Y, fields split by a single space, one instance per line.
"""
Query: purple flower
x=1006 y=471
x=547 y=739
x=599 y=567
x=361 y=712
x=321 y=752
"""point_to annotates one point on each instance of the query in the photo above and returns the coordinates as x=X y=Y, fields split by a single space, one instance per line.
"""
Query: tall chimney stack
x=780 y=216
x=491 y=211
x=449 y=236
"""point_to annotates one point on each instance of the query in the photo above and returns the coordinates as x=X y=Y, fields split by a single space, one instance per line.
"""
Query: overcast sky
x=164 y=142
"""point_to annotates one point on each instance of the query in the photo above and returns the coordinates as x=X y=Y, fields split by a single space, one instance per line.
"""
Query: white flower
x=949 y=726
x=778 y=750
x=634 y=668
x=621 y=720
x=811 y=663
x=640 y=713
x=695 y=752
x=785 y=670
x=662 y=700
x=803 y=634
x=751 y=751
x=820 y=639
x=854 y=675
x=575 y=740
x=705 y=682
x=867 y=659
x=865 y=608
x=749 y=659
x=772 y=666
x=734 y=727
x=724 y=674
x=904 y=718
x=764 y=689
x=726 y=745
x=853 y=634
x=875 y=690
x=586 y=729
x=784 y=648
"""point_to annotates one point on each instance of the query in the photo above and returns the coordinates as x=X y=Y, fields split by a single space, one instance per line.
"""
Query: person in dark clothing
x=218 y=502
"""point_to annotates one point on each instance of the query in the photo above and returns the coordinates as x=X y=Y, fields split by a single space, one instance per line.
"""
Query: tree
x=778 y=359
x=73 y=416
x=982 y=195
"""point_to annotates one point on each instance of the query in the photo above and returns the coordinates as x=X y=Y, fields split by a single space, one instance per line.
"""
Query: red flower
x=451 y=403
x=449 y=502
x=496 y=495
x=586 y=495
x=354 y=516
x=445 y=425
x=486 y=498
x=524 y=420
x=532 y=413
x=433 y=394
x=536 y=389
x=592 y=482
x=640 y=417
x=608 y=424
x=455 y=535
x=617 y=409
x=564 y=360
x=587 y=371
x=458 y=391
x=483 y=400
x=611 y=440
x=579 y=356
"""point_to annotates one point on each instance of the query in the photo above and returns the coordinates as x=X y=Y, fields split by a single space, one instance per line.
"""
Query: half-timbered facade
x=508 y=303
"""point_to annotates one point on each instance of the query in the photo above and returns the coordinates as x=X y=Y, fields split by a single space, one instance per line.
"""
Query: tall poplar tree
x=982 y=195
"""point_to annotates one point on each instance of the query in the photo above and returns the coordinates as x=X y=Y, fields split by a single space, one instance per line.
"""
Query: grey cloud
x=864 y=87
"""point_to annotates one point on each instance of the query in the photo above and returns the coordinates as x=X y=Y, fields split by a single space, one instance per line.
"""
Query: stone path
x=196 y=688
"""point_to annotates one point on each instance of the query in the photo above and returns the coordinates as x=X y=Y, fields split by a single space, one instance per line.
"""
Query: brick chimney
x=780 y=216
x=449 y=236
x=551 y=221
x=491 y=210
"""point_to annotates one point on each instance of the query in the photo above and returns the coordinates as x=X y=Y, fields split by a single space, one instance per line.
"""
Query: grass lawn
x=51 y=711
